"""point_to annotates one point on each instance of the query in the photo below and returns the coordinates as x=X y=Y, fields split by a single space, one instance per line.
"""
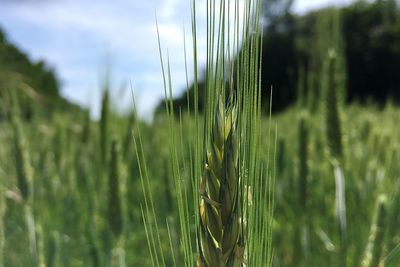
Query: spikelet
x=219 y=229
x=374 y=249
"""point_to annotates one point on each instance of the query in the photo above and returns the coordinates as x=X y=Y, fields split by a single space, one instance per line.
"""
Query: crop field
x=75 y=180
x=317 y=184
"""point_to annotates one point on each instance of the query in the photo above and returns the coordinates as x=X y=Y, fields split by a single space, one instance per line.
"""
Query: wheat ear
x=115 y=218
x=219 y=229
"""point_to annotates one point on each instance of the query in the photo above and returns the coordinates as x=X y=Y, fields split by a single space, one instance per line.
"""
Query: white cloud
x=169 y=9
x=302 y=6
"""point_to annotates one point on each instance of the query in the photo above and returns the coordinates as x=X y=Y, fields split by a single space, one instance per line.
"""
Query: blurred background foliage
x=368 y=33
x=36 y=82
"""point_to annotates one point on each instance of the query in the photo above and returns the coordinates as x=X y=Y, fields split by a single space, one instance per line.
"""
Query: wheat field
x=315 y=185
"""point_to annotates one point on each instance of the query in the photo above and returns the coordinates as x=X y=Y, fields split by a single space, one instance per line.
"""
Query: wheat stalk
x=2 y=212
x=115 y=218
x=53 y=255
x=374 y=249
x=115 y=208
x=333 y=130
x=24 y=176
x=334 y=139
x=219 y=229
x=40 y=246
x=86 y=128
x=104 y=121
x=225 y=223
x=23 y=167
x=303 y=157
x=302 y=186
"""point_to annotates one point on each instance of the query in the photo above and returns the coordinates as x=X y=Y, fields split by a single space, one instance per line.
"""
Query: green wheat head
x=23 y=167
x=219 y=228
x=104 y=121
x=333 y=130
x=115 y=217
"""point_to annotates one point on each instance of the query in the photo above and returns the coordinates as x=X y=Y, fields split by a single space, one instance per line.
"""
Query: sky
x=86 y=41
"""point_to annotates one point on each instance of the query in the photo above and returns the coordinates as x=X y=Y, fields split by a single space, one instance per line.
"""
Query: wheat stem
x=374 y=249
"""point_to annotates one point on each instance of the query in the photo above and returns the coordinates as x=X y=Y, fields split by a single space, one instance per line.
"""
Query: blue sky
x=82 y=39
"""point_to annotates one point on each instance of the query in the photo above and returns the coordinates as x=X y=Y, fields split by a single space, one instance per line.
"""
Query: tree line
x=366 y=34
